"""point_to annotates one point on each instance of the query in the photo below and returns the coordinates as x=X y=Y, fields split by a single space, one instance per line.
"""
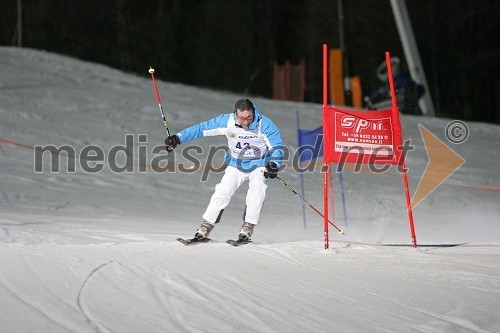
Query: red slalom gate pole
x=326 y=175
x=395 y=115
x=410 y=210
x=325 y=75
x=152 y=72
x=325 y=166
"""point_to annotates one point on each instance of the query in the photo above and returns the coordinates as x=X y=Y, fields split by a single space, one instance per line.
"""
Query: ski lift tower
x=412 y=55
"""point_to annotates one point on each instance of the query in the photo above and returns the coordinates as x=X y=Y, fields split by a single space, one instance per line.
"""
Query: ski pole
x=307 y=202
x=152 y=72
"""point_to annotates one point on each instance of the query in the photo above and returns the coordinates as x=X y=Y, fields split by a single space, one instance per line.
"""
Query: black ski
x=238 y=242
x=426 y=245
x=193 y=241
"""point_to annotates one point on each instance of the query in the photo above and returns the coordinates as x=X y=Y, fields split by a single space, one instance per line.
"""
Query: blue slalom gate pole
x=301 y=173
x=343 y=196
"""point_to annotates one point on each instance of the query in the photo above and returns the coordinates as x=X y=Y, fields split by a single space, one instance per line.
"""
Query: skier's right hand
x=271 y=170
x=171 y=142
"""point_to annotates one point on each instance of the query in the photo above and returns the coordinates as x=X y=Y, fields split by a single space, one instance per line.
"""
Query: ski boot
x=246 y=232
x=204 y=230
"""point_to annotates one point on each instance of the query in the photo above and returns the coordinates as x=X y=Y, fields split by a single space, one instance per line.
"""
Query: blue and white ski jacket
x=248 y=149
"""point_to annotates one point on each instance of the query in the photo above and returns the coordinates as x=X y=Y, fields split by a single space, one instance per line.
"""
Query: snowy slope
x=84 y=251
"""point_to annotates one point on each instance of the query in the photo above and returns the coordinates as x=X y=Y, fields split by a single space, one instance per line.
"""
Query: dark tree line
x=231 y=44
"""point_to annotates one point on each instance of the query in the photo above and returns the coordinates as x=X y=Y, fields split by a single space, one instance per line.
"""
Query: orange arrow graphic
x=443 y=162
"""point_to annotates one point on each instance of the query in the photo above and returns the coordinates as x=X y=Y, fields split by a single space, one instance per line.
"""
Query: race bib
x=245 y=144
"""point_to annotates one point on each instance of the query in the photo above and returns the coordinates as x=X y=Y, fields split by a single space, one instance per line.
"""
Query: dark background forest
x=231 y=44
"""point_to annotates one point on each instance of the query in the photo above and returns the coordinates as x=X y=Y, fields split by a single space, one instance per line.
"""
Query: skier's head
x=244 y=105
x=244 y=111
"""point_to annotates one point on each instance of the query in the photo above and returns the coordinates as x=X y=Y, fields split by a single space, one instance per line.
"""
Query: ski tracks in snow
x=343 y=296
x=160 y=286
x=79 y=298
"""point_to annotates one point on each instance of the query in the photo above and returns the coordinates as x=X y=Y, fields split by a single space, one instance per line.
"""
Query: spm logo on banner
x=358 y=135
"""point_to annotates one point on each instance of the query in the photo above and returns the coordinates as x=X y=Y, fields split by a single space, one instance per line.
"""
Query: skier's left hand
x=271 y=170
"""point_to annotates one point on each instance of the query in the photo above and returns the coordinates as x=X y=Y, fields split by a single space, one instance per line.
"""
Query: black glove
x=271 y=170
x=171 y=142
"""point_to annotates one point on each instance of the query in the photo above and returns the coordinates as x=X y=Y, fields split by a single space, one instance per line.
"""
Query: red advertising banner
x=355 y=136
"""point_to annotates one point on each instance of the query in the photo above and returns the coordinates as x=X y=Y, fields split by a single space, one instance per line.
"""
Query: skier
x=255 y=154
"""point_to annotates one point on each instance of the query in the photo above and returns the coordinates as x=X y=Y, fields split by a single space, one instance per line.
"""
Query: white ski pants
x=228 y=185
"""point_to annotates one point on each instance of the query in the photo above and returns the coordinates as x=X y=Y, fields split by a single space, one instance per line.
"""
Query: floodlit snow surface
x=89 y=251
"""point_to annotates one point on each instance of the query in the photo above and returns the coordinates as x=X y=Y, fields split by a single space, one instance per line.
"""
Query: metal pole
x=19 y=23
x=340 y=9
x=411 y=53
